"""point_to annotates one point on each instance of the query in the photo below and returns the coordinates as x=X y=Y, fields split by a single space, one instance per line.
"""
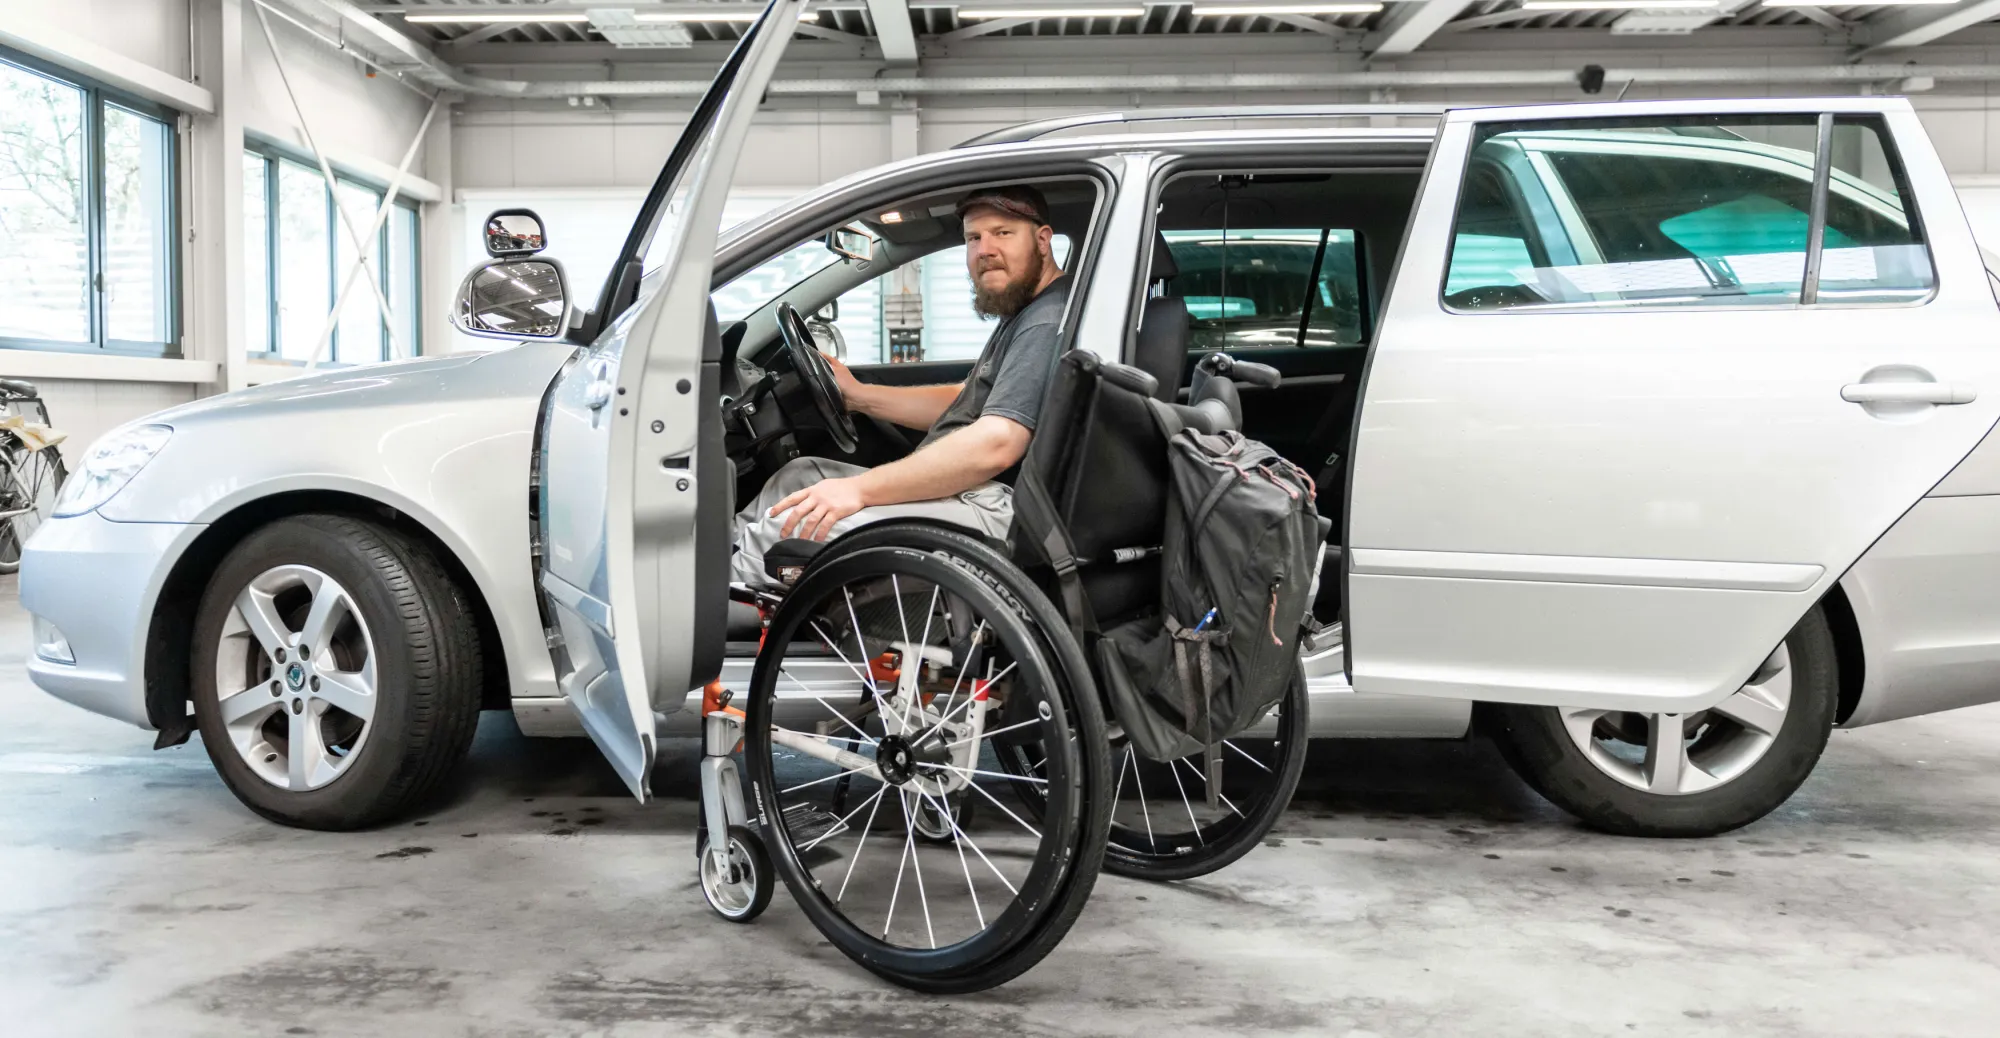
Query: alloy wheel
x=1680 y=754
x=296 y=677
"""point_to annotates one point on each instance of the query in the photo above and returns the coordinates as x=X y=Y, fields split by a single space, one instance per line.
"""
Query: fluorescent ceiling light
x=723 y=15
x=977 y=13
x=499 y=19
x=1623 y=5
x=1871 y=3
x=1225 y=10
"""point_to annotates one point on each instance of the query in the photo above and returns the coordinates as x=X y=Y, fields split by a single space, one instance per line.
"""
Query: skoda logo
x=295 y=676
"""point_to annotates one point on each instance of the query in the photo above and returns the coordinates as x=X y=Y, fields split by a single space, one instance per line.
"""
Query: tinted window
x=1277 y=287
x=1688 y=213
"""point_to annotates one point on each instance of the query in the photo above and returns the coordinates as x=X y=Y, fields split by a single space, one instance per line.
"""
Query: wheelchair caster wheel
x=736 y=880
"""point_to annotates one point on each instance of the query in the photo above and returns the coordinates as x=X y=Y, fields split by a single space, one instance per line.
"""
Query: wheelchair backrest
x=1100 y=456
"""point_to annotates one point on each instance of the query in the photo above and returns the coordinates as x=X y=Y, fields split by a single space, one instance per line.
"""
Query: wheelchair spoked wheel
x=886 y=679
x=1163 y=826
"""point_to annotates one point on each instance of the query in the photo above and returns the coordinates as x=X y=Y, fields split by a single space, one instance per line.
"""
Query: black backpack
x=1239 y=565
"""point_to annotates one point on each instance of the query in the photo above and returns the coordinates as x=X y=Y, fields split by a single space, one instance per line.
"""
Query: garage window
x=87 y=215
x=297 y=255
x=1681 y=212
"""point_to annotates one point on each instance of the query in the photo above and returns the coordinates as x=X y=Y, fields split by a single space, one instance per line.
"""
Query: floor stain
x=405 y=852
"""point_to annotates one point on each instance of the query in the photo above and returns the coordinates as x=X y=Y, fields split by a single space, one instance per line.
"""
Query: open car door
x=635 y=492
x=1651 y=377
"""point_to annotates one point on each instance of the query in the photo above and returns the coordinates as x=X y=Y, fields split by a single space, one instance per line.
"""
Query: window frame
x=1820 y=188
x=96 y=224
x=273 y=155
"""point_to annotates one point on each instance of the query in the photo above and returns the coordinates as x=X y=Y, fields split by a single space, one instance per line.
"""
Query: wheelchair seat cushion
x=787 y=559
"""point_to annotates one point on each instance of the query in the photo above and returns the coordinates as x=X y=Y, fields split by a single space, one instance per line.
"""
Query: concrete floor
x=1414 y=889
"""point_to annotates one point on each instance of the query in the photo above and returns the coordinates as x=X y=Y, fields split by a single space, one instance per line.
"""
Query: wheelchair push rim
x=920 y=664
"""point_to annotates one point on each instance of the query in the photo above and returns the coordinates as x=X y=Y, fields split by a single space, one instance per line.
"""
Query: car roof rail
x=1044 y=127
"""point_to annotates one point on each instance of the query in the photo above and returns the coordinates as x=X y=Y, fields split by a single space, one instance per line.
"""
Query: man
x=979 y=429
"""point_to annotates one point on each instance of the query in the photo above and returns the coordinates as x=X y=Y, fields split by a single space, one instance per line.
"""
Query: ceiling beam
x=1915 y=26
x=820 y=32
x=1307 y=23
x=1821 y=17
x=1408 y=25
x=480 y=34
x=983 y=28
x=894 y=31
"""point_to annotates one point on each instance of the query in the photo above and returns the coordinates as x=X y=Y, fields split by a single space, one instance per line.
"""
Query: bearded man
x=979 y=429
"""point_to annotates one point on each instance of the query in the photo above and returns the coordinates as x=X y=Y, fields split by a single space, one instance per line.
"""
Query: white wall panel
x=351 y=114
x=151 y=31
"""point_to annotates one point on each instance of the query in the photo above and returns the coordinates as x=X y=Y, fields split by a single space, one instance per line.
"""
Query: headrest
x=1164 y=266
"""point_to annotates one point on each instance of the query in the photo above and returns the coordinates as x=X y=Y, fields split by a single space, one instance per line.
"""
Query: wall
x=152 y=31
x=353 y=116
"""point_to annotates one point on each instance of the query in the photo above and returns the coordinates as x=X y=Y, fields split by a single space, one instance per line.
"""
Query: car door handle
x=1907 y=393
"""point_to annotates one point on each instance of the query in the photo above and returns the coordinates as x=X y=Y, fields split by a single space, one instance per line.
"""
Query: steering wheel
x=817 y=375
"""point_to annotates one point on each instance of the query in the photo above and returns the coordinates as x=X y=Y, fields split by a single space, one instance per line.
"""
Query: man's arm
x=955 y=462
x=912 y=407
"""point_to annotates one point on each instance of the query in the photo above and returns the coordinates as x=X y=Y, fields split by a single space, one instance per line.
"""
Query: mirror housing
x=513 y=299
x=850 y=243
x=512 y=233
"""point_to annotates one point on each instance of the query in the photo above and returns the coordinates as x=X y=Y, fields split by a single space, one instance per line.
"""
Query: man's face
x=1006 y=255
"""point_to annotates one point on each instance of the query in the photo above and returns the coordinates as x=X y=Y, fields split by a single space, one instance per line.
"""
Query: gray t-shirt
x=1014 y=369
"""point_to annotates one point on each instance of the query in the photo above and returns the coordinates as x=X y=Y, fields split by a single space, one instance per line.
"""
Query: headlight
x=108 y=466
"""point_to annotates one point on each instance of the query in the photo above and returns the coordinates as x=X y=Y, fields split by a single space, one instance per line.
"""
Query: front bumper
x=96 y=581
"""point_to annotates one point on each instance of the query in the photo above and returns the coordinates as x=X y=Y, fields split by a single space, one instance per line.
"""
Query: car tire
x=1545 y=750
x=418 y=652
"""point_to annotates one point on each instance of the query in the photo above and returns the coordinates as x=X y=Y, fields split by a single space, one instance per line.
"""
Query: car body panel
x=1538 y=517
x=121 y=566
x=1927 y=601
x=446 y=441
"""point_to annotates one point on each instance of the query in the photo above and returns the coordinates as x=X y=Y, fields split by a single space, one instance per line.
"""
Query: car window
x=1268 y=287
x=1680 y=213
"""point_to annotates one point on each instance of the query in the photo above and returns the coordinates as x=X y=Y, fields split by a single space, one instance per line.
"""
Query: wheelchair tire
x=986 y=620
x=1160 y=849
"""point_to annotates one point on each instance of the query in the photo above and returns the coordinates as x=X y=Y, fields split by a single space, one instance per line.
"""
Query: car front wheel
x=1693 y=774
x=336 y=672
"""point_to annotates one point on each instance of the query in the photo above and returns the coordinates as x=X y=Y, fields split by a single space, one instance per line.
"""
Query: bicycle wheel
x=934 y=652
x=29 y=482
x=1163 y=825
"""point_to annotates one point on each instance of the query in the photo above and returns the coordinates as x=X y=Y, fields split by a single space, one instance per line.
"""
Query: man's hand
x=815 y=509
x=851 y=390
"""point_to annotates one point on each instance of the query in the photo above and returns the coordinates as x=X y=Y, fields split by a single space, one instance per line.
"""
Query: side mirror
x=829 y=313
x=514 y=232
x=514 y=299
x=849 y=243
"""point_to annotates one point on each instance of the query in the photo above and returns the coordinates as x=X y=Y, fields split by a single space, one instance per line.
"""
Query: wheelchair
x=925 y=698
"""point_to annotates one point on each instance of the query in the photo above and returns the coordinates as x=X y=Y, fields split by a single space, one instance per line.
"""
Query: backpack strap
x=1198 y=678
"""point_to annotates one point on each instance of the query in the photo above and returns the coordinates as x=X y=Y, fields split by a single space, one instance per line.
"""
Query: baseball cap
x=1014 y=199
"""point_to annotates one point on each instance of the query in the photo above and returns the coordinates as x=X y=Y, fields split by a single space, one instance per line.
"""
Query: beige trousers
x=985 y=509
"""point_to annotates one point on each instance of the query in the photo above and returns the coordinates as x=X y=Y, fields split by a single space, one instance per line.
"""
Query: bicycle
x=31 y=468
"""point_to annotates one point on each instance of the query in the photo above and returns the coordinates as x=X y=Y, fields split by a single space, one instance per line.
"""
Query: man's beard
x=1008 y=299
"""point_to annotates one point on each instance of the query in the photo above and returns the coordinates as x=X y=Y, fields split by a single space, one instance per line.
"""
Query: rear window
x=1268 y=287
x=1682 y=212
